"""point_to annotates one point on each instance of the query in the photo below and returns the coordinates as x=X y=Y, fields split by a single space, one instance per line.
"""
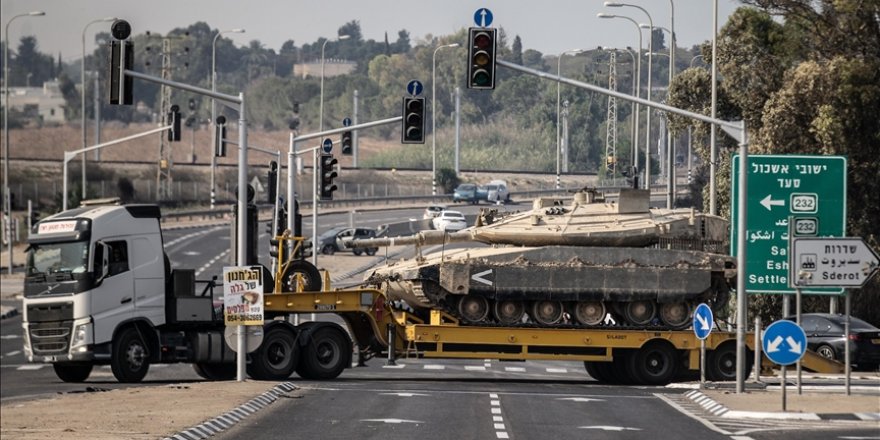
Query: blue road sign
x=784 y=342
x=703 y=321
x=327 y=146
x=346 y=122
x=414 y=87
x=483 y=17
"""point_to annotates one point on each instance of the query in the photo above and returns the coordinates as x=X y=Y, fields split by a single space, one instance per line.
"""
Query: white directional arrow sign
x=704 y=325
x=794 y=346
x=769 y=203
x=479 y=277
x=773 y=346
x=784 y=342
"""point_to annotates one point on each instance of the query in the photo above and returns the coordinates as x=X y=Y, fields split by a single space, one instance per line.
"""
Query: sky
x=549 y=26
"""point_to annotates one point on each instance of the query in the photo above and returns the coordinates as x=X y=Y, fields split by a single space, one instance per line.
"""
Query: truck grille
x=49 y=338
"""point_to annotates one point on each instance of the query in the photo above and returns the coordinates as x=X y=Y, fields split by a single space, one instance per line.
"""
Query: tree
x=516 y=53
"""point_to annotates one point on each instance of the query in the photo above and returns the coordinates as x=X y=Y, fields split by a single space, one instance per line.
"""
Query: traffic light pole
x=735 y=130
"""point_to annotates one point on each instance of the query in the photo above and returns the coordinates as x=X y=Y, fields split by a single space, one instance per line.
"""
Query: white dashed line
x=31 y=367
x=434 y=367
x=497 y=419
x=474 y=368
x=557 y=370
x=515 y=369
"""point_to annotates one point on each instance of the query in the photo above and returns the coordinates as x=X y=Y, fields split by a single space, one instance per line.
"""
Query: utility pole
x=611 y=119
x=565 y=136
x=163 y=173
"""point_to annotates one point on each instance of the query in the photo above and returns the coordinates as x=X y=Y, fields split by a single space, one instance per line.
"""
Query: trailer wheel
x=721 y=363
x=655 y=363
x=215 y=371
x=311 y=277
x=601 y=371
x=277 y=357
x=129 y=360
x=327 y=353
x=74 y=373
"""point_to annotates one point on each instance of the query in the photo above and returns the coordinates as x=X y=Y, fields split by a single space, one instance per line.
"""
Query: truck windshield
x=51 y=258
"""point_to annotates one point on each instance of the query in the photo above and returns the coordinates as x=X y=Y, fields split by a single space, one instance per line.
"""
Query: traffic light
x=121 y=59
x=273 y=182
x=220 y=137
x=174 y=122
x=481 y=58
x=346 y=143
x=413 y=131
x=328 y=173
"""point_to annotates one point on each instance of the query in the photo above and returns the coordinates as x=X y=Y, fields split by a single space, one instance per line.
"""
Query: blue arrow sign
x=414 y=87
x=346 y=122
x=327 y=146
x=483 y=17
x=784 y=342
x=703 y=321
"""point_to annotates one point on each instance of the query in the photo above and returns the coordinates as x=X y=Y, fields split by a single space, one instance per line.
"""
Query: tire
x=277 y=357
x=215 y=371
x=129 y=360
x=328 y=249
x=372 y=251
x=73 y=373
x=655 y=364
x=721 y=364
x=326 y=353
x=827 y=352
x=311 y=276
x=357 y=252
x=602 y=372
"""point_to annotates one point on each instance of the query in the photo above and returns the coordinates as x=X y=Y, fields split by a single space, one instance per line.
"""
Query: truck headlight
x=81 y=335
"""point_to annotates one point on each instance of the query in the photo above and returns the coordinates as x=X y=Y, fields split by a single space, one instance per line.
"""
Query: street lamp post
x=83 y=96
x=321 y=104
x=650 y=62
x=558 y=139
x=670 y=147
x=635 y=160
x=434 y=117
x=7 y=205
x=214 y=105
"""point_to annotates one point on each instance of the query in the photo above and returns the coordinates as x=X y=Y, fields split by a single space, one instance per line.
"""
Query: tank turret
x=588 y=262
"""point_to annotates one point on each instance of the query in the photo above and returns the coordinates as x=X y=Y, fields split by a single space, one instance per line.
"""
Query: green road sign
x=807 y=191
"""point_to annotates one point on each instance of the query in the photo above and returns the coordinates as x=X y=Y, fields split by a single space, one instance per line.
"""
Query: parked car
x=333 y=241
x=433 y=211
x=496 y=192
x=465 y=193
x=825 y=336
x=449 y=221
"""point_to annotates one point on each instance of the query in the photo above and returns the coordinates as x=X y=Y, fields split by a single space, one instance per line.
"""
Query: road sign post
x=809 y=191
x=784 y=343
x=703 y=323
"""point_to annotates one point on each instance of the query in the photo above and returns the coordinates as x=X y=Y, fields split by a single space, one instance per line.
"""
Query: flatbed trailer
x=610 y=355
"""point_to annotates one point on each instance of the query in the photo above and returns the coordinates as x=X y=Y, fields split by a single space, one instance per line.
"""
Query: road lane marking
x=515 y=369
x=557 y=370
x=474 y=368
x=497 y=419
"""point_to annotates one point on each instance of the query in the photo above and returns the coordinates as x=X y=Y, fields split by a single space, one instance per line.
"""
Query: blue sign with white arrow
x=784 y=342
x=703 y=321
x=414 y=87
x=346 y=122
x=483 y=17
x=328 y=145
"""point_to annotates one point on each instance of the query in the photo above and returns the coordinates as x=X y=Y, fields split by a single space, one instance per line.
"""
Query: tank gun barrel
x=421 y=238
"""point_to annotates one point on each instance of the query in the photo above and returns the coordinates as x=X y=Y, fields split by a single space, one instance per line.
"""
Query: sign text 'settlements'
x=243 y=295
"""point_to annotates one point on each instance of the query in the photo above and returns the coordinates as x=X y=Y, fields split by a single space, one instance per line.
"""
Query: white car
x=449 y=221
x=497 y=192
x=432 y=211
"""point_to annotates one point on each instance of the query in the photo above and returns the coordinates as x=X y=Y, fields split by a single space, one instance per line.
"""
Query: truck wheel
x=327 y=353
x=311 y=276
x=74 y=373
x=601 y=371
x=277 y=357
x=655 y=364
x=215 y=371
x=372 y=251
x=721 y=363
x=129 y=360
x=357 y=252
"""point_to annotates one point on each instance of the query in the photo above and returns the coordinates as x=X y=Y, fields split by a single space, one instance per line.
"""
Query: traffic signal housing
x=272 y=179
x=174 y=122
x=481 y=58
x=346 y=143
x=328 y=174
x=220 y=136
x=121 y=59
x=413 y=130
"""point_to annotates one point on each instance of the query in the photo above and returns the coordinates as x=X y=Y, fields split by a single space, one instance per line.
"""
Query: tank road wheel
x=327 y=353
x=655 y=364
x=129 y=360
x=74 y=373
x=547 y=312
x=509 y=312
x=675 y=314
x=215 y=371
x=310 y=275
x=589 y=312
x=473 y=308
x=640 y=312
x=277 y=356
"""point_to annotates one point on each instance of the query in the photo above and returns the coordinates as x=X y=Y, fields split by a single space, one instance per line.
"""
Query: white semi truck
x=99 y=289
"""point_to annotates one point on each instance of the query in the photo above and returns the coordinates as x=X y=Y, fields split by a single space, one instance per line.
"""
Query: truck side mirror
x=102 y=261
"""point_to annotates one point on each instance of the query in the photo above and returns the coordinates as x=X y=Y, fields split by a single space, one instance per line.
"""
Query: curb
x=229 y=419
x=720 y=410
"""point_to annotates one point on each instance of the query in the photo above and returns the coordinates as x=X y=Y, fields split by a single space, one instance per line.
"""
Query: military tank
x=588 y=262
